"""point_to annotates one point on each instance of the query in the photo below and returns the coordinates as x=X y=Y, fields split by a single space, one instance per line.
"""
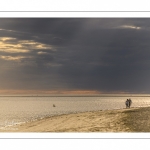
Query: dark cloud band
x=100 y=54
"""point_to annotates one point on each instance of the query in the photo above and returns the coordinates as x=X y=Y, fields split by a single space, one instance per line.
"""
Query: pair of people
x=128 y=103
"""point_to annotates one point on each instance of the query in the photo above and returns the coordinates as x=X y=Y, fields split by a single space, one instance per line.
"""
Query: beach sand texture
x=123 y=120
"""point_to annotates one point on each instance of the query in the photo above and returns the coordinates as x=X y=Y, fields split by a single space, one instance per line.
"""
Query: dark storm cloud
x=86 y=54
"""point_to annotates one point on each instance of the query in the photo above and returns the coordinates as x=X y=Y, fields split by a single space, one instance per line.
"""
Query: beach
x=121 y=120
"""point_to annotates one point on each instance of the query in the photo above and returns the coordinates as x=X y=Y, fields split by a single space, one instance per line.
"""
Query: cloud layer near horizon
x=96 y=54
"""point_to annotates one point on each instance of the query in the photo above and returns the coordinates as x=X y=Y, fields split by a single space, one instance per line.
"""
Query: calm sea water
x=15 y=110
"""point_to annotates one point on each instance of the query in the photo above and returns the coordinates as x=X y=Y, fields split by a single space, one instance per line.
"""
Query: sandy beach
x=123 y=120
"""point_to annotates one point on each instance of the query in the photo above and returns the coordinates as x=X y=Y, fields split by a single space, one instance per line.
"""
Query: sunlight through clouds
x=100 y=54
x=6 y=38
x=42 y=53
x=31 y=44
x=130 y=27
x=12 y=45
x=16 y=58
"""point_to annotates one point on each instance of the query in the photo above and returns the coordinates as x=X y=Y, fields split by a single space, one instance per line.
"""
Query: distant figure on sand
x=128 y=103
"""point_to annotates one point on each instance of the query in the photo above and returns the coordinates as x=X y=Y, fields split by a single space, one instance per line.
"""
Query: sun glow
x=130 y=27
x=17 y=58
x=13 y=45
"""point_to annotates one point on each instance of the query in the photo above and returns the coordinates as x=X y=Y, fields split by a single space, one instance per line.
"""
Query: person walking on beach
x=128 y=103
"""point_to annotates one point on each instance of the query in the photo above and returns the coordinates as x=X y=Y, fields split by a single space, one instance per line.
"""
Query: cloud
x=31 y=44
x=17 y=58
x=7 y=30
x=6 y=38
x=41 y=53
x=129 y=27
x=14 y=45
x=99 y=54
x=11 y=45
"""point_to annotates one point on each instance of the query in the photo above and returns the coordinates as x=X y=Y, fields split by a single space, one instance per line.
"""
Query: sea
x=21 y=109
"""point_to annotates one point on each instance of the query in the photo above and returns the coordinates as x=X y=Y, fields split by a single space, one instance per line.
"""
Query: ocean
x=21 y=109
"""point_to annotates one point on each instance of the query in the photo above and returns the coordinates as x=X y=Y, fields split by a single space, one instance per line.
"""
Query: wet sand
x=123 y=120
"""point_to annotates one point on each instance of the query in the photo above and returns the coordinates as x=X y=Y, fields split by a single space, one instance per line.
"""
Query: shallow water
x=14 y=110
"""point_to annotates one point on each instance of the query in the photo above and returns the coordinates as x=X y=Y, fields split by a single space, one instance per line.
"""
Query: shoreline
x=118 y=120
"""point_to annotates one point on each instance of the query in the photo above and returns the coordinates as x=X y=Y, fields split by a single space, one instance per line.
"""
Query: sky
x=74 y=55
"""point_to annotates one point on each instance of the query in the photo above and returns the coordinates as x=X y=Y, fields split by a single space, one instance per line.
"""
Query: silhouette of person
x=130 y=102
x=127 y=103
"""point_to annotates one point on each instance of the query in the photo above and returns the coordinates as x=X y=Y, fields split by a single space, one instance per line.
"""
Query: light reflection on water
x=23 y=109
